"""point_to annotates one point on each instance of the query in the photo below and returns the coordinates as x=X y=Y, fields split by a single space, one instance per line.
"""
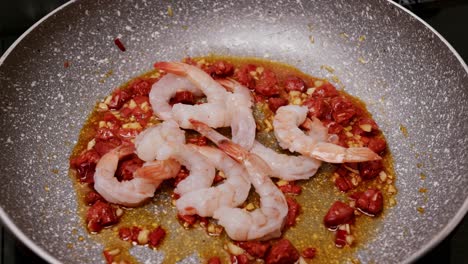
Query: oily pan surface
x=408 y=77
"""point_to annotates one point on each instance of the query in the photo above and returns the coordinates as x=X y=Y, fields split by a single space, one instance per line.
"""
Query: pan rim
x=435 y=240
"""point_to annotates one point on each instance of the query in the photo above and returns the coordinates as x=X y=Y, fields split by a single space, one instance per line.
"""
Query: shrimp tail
x=157 y=171
x=227 y=83
x=232 y=149
x=172 y=67
x=336 y=154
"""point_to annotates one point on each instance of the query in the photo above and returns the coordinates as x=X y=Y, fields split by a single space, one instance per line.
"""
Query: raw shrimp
x=239 y=104
x=231 y=193
x=286 y=167
x=163 y=90
x=285 y=124
x=263 y=223
x=213 y=113
x=133 y=192
x=158 y=142
x=214 y=92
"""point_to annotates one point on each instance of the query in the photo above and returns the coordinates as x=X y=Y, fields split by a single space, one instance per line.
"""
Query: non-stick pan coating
x=408 y=76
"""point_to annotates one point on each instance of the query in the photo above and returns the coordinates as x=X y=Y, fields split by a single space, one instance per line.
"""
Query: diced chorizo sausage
x=255 y=248
x=291 y=188
x=104 y=146
x=183 y=97
x=370 y=201
x=276 y=102
x=214 y=260
x=294 y=83
x=100 y=215
x=92 y=197
x=309 y=252
x=318 y=107
x=342 y=110
x=370 y=169
x=156 y=236
x=338 y=214
x=244 y=77
x=325 y=90
x=294 y=208
x=127 y=167
x=221 y=69
x=267 y=84
x=85 y=165
x=283 y=252
x=119 y=97
x=190 y=220
x=142 y=86
x=378 y=145
x=239 y=259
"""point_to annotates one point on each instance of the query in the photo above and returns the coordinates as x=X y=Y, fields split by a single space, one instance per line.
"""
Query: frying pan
x=408 y=75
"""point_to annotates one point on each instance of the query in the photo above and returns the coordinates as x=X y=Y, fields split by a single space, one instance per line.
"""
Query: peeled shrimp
x=286 y=167
x=214 y=92
x=133 y=192
x=231 y=193
x=164 y=89
x=285 y=124
x=239 y=104
x=263 y=223
x=158 y=142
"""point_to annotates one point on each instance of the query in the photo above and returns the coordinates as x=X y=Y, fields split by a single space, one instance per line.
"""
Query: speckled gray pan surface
x=404 y=72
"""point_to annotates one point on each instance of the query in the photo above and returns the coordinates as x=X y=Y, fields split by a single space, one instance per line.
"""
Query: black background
x=448 y=17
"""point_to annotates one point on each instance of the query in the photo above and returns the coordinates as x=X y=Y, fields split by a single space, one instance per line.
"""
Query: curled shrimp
x=239 y=104
x=286 y=167
x=133 y=192
x=158 y=142
x=231 y=193
x=164 y=89
x=214 y=112
x=263 y=223
x=314 y=144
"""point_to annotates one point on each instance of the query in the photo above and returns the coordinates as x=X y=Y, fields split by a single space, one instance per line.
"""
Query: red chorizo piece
x=338 y=214
x=104 y=146
x=156 y=236
x=309 y=252
x=365 y=126
x=119 y=97
x=276 y=102
x=181 y=175
x=294 y=83
x=112 y=122
x=100 y=215
x=183 y=97
x=188 y=220
x=125 y=233
x=343 y=184
x=141 y=87
x=370 y=201
x=127 y=167
x=92 y=197
x=239 y=259
x=294 y=208
x=325 y=90
x=318 y=107
x=243 y=76
x=340 y=238
x=214 y=260
x=220 y=69
x=85 y=165
x=255 y=248
x=370 y=169
x=291 y=188
x=376 y=144
x=342 y=110
x=267 y=84
x=283 y=252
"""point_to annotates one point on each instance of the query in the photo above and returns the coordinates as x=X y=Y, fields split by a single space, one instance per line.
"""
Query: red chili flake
x=125 y=233
x=309 y=252
x=294 y=208
x=119 y=44
x=255 y=248
x=66 y=64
